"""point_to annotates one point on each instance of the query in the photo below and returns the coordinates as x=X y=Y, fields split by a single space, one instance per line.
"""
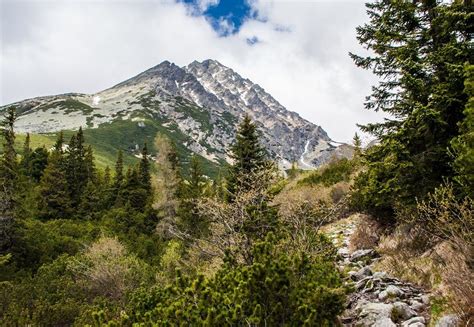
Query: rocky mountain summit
x=202 y=102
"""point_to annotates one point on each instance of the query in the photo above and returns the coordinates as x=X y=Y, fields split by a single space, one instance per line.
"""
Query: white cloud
x=301 y=57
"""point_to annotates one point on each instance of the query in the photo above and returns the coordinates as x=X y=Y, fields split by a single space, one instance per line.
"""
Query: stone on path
x=448 y=321
x=414 y=322
x=402 y=311
x=361 y=254
x=373 y=312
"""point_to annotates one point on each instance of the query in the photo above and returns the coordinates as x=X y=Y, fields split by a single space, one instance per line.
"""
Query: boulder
x=417 y=306
x=382 y=296
x=384 y=322
x=448 y=321
x=362 y=254
x=376 y=314
x=425 y=299
x=402 y=311
x=414 y=322
x=360 y=274
x=393 y=291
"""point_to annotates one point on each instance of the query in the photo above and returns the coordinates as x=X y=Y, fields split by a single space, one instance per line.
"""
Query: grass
x=125 y=135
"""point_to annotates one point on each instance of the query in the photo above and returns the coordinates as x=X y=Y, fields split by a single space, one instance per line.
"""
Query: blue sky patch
x=226 y=16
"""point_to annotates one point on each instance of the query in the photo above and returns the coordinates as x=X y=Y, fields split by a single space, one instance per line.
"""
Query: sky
x=296 y=50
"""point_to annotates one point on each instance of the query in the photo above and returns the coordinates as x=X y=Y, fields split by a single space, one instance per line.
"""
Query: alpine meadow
x=187 y=195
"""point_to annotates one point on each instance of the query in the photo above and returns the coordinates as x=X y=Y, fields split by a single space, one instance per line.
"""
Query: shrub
x=444 y=217
x=39 y=242
x=276 y=289
x=446 y=224
x=334 y=172
x=106 y=269
x=51 y=298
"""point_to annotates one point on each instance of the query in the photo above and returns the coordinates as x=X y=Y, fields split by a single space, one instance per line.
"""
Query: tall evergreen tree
x=37 y=163
x=118 y=177
x=107 y=177
x=8 y=180
x=133 y=194
x=58 y=145
x=91 y=173
x=76 y=167
x=54 y=201
x=248 y=156
x=463 y=145
x=118 y=181
x=25 y=160
x=191 y=191
x=144 y=170
x=357 y=145
x=418 y=51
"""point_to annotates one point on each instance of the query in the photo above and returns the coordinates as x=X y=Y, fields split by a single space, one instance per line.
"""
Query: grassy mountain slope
x=128 y=136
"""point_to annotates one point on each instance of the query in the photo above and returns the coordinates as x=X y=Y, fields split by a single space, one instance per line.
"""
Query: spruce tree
x=357 y=145
x=58 y=145
x=192 y=190
x=8 y=180
x=91 y=173
x=118 y=177
x=248 y=156
x=25 y=160
x=133 y=195
x=53 y=200
x=463 y=145
x=91 y=203
x=118 y=181
x=418 y=50
x=107 y=177
x=76 y=167
x=144 y=170
x=37 y=163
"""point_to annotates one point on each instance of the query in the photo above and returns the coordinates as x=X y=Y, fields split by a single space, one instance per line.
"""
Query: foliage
x=277 y=289
x=50 y=298
x=106 y=269
x=53 y=196
x=463 y=145
x=192 y=190
x=334 y=172
x=8 y=181
x=234 y=226
x=444 y=217
x=168 y=179
x=248 y=157
x=84 y=246
x=418 y=50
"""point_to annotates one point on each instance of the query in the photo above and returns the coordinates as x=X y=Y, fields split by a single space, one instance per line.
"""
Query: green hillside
x=126 y=135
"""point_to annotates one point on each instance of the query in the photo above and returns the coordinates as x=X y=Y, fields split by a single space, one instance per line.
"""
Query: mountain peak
x=202 y=102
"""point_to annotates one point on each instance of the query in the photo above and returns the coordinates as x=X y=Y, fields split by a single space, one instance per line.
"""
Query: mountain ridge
x=204 y=101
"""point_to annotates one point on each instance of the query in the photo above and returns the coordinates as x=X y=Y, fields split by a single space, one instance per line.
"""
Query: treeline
x=89 y=247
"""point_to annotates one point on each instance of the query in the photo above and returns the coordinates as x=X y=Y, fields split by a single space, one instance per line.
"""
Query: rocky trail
x=377 y=299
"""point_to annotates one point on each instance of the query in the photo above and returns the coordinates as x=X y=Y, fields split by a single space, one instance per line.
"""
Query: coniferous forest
x=160 y=243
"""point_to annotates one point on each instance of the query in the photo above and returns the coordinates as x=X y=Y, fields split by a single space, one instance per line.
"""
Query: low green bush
x=276 y=289
x=334 y=172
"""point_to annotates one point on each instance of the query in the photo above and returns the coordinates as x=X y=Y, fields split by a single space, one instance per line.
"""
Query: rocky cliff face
x=203 y=100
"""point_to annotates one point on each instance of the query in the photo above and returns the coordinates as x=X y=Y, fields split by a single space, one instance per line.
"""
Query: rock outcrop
x=203 y=100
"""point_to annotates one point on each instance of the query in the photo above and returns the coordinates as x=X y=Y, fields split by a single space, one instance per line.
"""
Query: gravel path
x=378 y=299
